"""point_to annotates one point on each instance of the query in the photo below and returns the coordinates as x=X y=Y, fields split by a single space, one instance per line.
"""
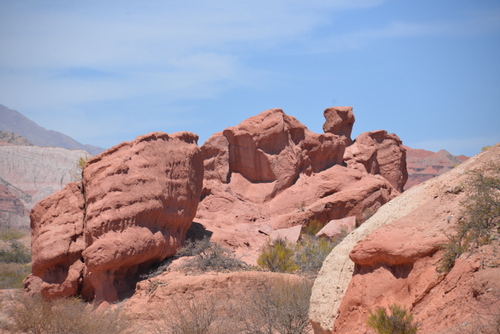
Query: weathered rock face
x=271 y=148
x=392 y=258
x=57 y=225
x=132 y=208
x=270 y=171
x=339 y=121
x=378 y=152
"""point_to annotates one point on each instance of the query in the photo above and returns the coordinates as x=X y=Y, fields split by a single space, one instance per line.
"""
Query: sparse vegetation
x=306 y=256
x=15 y=259
x=278 y=257
x=77 y=172
x=197 y=316
x=281 y=307
x=399 y=321
x=13 y=274
x=479 y=223
x=35 y=316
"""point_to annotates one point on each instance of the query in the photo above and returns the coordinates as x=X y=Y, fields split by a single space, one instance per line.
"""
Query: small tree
x=400 y=321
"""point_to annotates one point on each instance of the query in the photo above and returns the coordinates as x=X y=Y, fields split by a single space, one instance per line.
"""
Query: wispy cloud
x=75 y=51
x=473 y=23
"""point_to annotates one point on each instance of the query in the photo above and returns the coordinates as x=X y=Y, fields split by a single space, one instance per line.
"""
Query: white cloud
x=182 y=50
x=473 y=23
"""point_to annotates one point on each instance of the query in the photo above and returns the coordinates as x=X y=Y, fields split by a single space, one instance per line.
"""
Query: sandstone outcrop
x=378 y=152
x=339 y=121
x=133 y=207
x=270 y=170
x=392 y=258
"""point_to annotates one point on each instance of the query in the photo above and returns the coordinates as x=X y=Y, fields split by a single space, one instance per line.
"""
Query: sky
x=104 y=72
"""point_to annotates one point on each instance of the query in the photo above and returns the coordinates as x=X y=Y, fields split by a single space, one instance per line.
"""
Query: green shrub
x=311 y=252
x=13 y=274
x=312 y=227
x=278 y=257
x=16 y=253
x=11 y=234
x=400 y=321
x=480 y=216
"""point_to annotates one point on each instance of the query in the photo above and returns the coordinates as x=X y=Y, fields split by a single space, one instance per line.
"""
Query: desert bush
x=480 y=217
x=11 y=234
x=312 y=227
x=306 y=256
x=34 y=316
x=196 y=316
x=400 y=321
x=278 y=257
x=311 y=252
x=208 y=255
x=281 y=307
x=13 y=274
x=16 y=252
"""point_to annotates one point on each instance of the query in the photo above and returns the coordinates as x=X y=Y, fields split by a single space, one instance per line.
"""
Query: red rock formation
x=339 y=121
x=270 y=170
x=57 y=242
x=378 y=152
x=134 y=207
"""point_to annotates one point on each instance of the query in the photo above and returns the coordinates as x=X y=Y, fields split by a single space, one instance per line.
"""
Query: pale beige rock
x=423 y=211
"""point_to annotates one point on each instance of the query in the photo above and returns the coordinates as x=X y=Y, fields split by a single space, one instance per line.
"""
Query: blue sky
x=108 y=71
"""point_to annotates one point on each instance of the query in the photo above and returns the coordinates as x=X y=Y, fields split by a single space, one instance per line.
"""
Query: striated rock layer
x=132 y=208
x=31 y=173
x=423 y=165
x=392 y=258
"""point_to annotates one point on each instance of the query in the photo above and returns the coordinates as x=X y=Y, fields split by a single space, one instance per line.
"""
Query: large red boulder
x=133 y=207
x=378 y=152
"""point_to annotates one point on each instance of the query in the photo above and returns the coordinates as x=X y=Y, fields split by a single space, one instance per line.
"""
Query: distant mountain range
x=15 y=122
